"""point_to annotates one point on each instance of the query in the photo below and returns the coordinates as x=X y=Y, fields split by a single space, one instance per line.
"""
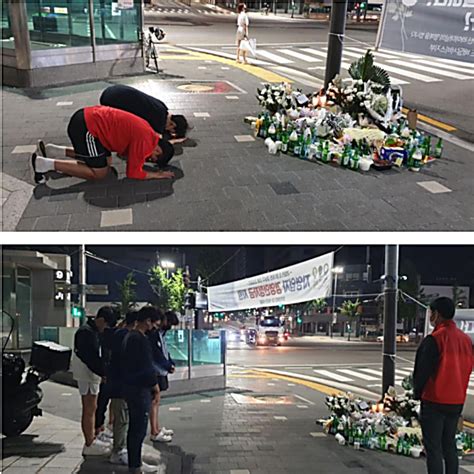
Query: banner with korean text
x=440 y=28
x=298 y=283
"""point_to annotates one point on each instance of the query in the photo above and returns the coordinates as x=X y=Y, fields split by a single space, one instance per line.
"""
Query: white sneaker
x=161 y=438
x=96 y=449
x=148 y=468
x=119 y=458
x=104 y=437
x=166 y=431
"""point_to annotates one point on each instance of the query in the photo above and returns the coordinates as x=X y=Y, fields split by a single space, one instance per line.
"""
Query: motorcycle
x=21 y=391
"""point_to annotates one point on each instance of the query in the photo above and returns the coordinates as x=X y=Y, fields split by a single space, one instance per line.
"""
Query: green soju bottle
x=346 y=156
x=265 y=125
x=427 y=147
x=306 y=143
x=298 y=145
x=325 y=152
x=284 y=141
x=438 y=149
x=293 y=140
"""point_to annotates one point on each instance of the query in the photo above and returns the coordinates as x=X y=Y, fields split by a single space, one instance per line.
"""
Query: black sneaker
x=41 y=148
x=38 y=177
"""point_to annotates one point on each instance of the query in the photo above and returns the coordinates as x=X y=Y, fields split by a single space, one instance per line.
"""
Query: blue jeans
x=138 y=401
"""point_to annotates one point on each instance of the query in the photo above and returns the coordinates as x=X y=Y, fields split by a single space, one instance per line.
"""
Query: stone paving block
x=116 y=217
x=53 y=222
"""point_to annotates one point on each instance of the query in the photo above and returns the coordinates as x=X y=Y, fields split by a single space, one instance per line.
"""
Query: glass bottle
x=292 y=141
x=439 y=149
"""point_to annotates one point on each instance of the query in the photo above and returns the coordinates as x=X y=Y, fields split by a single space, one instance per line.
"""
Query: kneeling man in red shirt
x=95 y=132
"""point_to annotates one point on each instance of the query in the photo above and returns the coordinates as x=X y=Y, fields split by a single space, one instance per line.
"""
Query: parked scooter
x=21 y=391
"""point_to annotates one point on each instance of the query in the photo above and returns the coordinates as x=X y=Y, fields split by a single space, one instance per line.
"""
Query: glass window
x=7 y=307
x=177 y=343
x=7 y=35
x=206 y=347
x=23 y=308
x=114 y=24
x=58 y=23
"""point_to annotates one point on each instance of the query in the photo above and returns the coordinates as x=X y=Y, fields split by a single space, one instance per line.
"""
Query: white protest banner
x=440 y=28
x=304 y=281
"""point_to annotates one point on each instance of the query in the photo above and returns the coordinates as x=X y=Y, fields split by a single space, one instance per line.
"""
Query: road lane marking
x=433 y=70
x=302 y=398
x=332 y=375
x=434 y=187
x=434 y=122
x=357 y=374
x=447 y=66
x=318 y=434
x=303 y=57
x=378 y=373
x=375 y=53
x=274 y=57
x=281 y=418
x=302 y=406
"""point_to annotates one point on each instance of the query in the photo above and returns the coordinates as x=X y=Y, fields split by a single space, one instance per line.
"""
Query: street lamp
x=167 y=265
x=337 y=271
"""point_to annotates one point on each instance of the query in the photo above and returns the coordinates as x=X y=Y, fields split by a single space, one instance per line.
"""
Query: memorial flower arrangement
x=356 y=123
x=390 y=425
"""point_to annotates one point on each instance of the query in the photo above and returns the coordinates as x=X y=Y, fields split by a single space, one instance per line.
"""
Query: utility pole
x=336 y=38
x=390 y=316
x=82 y=279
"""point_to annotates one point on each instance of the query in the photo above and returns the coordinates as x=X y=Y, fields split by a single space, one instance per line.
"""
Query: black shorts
x=163 y=383
x=86 y=147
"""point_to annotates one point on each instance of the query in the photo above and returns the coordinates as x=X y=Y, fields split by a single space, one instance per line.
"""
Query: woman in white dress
x=242 y=30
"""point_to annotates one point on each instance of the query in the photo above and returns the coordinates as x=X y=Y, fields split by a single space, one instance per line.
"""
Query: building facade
x=48 y=42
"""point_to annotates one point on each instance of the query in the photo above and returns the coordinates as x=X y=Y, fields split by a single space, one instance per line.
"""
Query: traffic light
x=363 y=6
x=299 y=320
x=78 y=312
x=189 y=301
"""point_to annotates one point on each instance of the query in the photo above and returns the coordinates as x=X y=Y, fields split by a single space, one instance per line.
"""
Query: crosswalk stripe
x=231 y=56
x=410 y=74
x=399 y=53
x=332 y=375
x=303 y=57
x=393 y=80
x=404 y=372
x=446 y=66
x=357 y=374
x=378 y=373
x=315 y=51
x=375 y=53
x=429 y=69
x=470 y=392
x=273 y=57
x=302 y=77
x=454 y=62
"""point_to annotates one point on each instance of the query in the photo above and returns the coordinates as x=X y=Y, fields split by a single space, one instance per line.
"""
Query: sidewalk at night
x=228 y=181
x=224 y=432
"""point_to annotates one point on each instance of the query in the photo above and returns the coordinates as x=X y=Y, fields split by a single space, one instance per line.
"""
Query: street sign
x=76 y=289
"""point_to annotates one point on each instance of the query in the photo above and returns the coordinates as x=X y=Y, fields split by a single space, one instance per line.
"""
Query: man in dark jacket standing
x=443 y=366
x=139 y=386
x=88 y=370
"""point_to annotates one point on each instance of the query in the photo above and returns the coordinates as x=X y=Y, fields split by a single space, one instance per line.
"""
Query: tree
x=459 y=296
x=319 y=305
x=127 y=294
x=351 y=310
x=169 y=290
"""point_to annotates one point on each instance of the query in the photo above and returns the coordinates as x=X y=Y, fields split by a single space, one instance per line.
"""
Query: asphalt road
x=434 y=89
x=347 y=366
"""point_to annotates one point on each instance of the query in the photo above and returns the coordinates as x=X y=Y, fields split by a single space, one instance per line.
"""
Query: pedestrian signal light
x=299 y=320
x=77 y=312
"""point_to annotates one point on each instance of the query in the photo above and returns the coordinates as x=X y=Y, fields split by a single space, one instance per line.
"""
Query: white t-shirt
x=81 y=372
x=242 y=21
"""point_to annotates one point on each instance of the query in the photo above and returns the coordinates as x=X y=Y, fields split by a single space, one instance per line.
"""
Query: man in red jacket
x=443 y=366
x=95 y=132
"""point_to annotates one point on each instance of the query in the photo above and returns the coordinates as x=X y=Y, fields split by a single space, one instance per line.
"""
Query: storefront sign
x=440 y=28
x=125 y=4
x=304 y=281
